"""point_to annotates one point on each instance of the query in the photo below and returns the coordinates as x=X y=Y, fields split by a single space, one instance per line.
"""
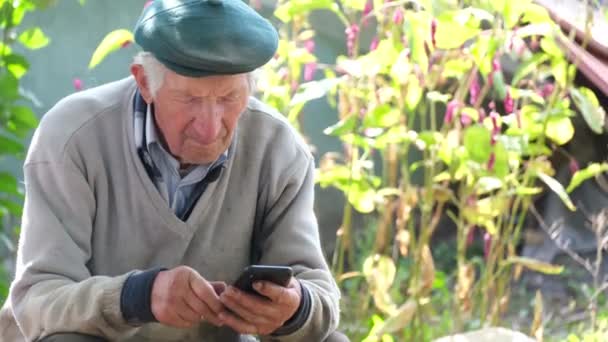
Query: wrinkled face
x=196 y=116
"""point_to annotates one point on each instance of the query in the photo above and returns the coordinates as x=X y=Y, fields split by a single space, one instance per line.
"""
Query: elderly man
x=146 y=198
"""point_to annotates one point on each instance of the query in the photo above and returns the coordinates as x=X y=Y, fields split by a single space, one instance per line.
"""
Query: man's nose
x=207 y=124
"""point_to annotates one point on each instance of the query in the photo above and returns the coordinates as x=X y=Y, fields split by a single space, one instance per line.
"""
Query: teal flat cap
x=197 y=38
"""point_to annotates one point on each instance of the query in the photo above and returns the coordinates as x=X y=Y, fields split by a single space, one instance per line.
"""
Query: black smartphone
x=279 y=275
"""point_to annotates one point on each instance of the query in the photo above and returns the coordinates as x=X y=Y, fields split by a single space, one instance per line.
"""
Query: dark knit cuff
x=135 y=298
x=300 y=317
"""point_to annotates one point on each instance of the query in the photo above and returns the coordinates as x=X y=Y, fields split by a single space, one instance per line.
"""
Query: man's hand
x=182 y=298
x=253 y=314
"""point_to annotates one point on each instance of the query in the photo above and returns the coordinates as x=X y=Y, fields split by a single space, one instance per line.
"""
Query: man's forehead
x=209 y=85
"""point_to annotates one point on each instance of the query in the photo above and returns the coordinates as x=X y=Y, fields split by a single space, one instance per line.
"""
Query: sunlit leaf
x=452 y=34
x=33 y=38
x=289 y=9
x=17 y=65
x=401 y=319
x=558 y=189
x=535 y=265
x=414 y=93
x=550 y=47
x=313 y=90
x=487 y=184
x=110 y=43
x=588 y=104
x=358 y=5
x=582 y=175
x=536 y=14
x=477 y=143
x=380 y=271
x=382 y=116
x=344 y=126
x=560 y=130
x=529 y=66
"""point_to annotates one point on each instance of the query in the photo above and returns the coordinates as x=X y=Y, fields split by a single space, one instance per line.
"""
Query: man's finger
x=276 y=293
x=260 y=316
x=205 y=292
x=253 y=303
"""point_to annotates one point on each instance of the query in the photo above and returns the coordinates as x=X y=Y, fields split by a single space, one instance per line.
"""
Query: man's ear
x=137 y=70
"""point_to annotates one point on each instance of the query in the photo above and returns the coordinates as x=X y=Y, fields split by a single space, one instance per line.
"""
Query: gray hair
x=155 y=72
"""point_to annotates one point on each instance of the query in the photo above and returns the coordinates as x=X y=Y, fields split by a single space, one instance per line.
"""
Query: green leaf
x=9 y=87
x=313 y=90
x=362 y=196
x=487 y=184
x=383 y=116
x=344 y=126
x=529 y=66
x=110 y=43
x=536 y=14
x=15 y=209
x=10 y=146
x=483 y=51
x=358 y=5
x=560 y=130
x=550 y=47
x=588 y=104
x=289 y=9
x=24 y=116
x=499 y=85
x=17 y=65
x=414 y=93
x=33 y=38
x=477 y=143
x=582 y=175
x=558 y=189
x=417 y=28
x=452 y=34
x=8 y=184
x=535 y=265
x=501 y=161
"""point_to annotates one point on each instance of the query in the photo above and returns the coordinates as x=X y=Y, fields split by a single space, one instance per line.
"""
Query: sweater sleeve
x=54 y=290
x=290 y=236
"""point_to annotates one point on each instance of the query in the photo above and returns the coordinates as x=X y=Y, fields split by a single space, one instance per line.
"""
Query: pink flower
x=398 y=16
x=465 y=120
x=574 y=167
x=148 y=3
x=496 y=63
x=547 y=90
x=482 y=114
x=474 y=91
x=257 y=4
x=369 y=6
x=309 y=45
x=495 y=127
x=450 y=111
x=434 y=32
x=374 y=44
x=491 y=162
x=508 y=102
x=487 y=245
x=78 y=84
x=352 y=32
x=309 y=71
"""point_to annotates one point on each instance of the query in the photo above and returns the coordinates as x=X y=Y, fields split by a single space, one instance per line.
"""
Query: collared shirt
x=176 y=186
